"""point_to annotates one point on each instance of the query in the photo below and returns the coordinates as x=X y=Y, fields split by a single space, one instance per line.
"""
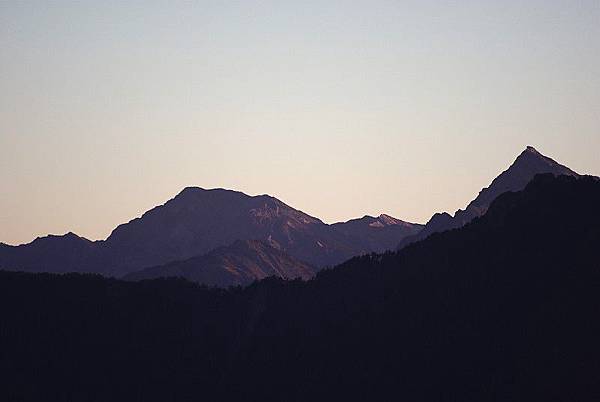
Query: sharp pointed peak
x=532 y=155
x=531 y=149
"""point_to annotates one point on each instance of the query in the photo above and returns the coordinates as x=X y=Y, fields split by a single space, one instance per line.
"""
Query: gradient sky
x=338 y=108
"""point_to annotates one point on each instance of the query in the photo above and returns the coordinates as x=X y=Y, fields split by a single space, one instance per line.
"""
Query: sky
x=338 y=108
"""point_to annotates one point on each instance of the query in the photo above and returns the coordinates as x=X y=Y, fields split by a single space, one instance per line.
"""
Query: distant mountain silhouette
x=195 y=222
x=66 y=253
x=377 y=234
x=238 y=264
x=504 y=308
x=529 y=163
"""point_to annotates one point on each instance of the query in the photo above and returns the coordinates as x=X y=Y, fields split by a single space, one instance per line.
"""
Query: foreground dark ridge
x=505 y=308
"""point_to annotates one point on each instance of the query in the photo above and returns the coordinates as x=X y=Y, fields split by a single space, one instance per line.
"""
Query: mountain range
x=224 y=237
x=503 y=308
x=196 y=222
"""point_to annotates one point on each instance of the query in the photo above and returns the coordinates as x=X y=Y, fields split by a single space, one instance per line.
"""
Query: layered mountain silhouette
x=502 y=308
x=197 y=221
x=238 y=264
x=529 y=163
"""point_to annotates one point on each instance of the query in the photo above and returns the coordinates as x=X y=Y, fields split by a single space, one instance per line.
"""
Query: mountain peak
x=531 y=149
x=525 y=167
x=196 y=191
x=531 y=154
x=191 y=190
x=529 y=163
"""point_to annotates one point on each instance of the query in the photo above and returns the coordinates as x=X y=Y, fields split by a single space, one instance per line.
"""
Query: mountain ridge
x=528 y=163
x=197 y=220
x=505 y=305
x=240 y=263
x=192 y=223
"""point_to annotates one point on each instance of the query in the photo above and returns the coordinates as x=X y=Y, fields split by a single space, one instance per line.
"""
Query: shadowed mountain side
x=377 y=234
x=239 y=264
x=529 y=163
x=504 y=308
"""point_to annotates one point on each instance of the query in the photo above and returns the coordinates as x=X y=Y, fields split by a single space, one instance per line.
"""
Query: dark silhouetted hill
x=66 y=253
x=504 y=308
